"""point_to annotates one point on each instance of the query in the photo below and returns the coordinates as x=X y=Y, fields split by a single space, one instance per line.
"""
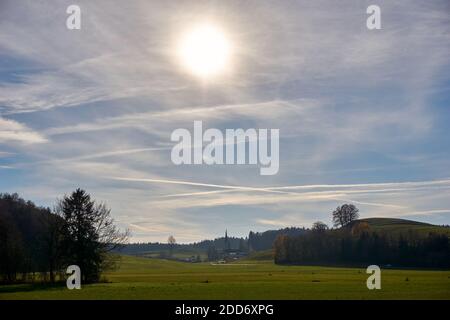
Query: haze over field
x=363 y=115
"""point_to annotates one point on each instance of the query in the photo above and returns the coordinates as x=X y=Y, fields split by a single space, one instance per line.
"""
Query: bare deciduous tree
x=345 y=214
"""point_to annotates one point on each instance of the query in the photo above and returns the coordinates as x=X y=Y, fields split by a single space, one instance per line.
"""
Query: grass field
x=141 y=278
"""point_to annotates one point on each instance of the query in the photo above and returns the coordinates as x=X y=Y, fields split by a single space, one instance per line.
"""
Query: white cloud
x=13 y=132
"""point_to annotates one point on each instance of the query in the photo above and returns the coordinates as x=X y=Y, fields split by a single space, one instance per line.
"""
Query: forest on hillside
x=356 y=244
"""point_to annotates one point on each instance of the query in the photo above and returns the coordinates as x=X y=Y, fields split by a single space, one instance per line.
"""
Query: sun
x=205 y=51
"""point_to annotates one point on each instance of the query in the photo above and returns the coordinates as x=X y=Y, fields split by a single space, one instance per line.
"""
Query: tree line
x=258 y=241
x=39 y=243
x=201 y=246
x=353 y=243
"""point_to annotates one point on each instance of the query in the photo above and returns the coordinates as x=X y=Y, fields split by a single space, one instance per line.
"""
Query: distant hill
x=395 y=226
x=389 y=226
x=380 y=241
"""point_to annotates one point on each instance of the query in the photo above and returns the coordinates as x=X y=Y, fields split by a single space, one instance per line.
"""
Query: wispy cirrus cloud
x=14 y=132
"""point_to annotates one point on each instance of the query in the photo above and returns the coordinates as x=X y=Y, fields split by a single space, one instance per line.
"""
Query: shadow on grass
x=27 y=287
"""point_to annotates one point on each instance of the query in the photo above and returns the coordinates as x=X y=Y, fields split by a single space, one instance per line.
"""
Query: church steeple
x=227 y=243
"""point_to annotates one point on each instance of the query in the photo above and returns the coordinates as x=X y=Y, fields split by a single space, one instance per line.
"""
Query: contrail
x=278 y=190
x=198 y=184
x=408 y=185
x=385 y=184
x=190 y=194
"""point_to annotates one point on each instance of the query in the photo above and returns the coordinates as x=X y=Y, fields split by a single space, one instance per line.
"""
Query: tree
x=319 y=226
x=213 y=255
x=360 y=228
x=51 y=242
x=345 y=214
x=251 y=239
x=20 y=238
x=88 y=234
x=172 y=242
x=281 y=250
x=242 y=245
x=11 y=251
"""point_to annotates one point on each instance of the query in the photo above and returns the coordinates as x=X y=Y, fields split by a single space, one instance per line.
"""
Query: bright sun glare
x=205 y=51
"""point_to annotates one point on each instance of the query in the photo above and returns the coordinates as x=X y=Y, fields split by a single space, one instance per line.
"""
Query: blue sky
x=363 y=115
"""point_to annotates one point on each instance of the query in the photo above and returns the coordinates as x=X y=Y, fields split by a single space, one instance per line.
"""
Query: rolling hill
x=395 y=226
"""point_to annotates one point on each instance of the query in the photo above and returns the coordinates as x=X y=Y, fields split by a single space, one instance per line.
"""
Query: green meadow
x=144 y=278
